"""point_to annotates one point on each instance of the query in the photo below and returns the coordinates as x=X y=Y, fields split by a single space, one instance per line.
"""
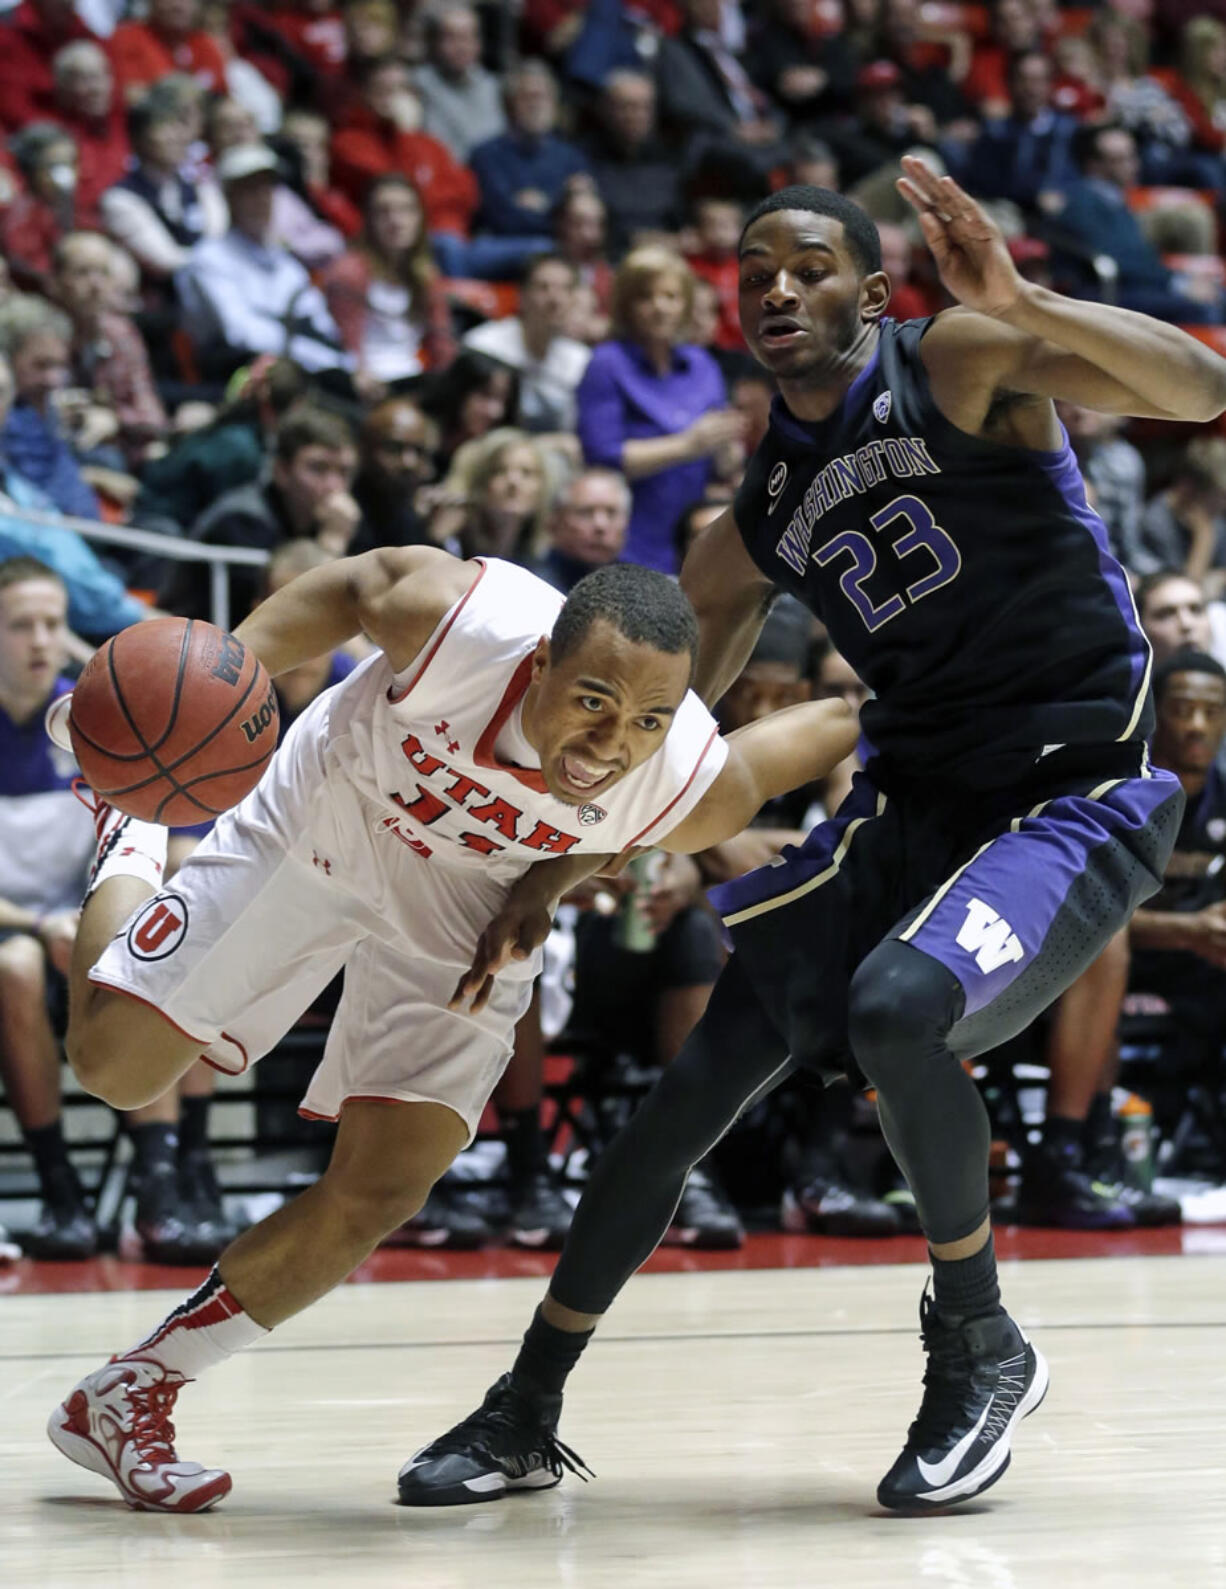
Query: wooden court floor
x=738 y=1423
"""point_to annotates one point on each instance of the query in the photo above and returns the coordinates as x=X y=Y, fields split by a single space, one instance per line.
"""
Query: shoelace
x=153 y=1434
x=948 y=1385
x=506 y=1415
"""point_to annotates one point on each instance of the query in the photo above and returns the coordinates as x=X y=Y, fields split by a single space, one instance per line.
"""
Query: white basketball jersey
x=422 y=744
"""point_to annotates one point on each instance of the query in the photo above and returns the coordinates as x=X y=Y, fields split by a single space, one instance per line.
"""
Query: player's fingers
x=482 y=996
x=911 y=193
x=921 y=174
x=933 y=228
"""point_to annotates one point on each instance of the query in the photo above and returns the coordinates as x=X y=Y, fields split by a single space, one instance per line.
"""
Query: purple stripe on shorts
x=1064 y=473
x=992 y=922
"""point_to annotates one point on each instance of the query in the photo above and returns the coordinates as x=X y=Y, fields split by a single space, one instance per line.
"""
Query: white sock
x=205 y=1329
x=128 y=847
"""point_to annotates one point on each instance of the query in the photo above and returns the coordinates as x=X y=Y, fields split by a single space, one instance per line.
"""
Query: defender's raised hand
x=966 y=243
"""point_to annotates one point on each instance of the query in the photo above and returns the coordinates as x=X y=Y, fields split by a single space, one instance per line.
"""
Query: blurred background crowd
x=308 y=279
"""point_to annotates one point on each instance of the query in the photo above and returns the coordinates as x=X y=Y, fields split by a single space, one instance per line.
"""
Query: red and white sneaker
x=117 y=1423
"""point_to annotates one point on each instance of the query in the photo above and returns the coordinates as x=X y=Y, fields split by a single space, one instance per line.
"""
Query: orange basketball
x=173 y=721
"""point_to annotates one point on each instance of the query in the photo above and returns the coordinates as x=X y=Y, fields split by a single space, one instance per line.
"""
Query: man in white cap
x=243 y=295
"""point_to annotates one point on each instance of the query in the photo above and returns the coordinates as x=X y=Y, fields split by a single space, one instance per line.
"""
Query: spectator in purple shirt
x=653 y=406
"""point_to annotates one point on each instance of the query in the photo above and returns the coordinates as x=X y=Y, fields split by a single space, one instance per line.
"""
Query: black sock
x=50 y=1152
x=194 y=1125
x=1060 y=1132
x=966 y=1288
x=548 y=1355
x=155 y=1145
x=526 y=1155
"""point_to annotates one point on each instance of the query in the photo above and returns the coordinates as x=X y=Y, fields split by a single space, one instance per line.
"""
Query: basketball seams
x=167 y=771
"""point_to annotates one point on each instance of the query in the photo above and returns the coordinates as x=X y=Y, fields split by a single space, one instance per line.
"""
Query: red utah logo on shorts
x=159 y=927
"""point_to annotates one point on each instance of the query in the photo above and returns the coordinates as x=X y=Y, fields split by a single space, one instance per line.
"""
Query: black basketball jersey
x=968 y=583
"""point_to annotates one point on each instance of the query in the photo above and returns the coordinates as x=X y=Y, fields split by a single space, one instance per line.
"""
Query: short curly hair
x=647 y=607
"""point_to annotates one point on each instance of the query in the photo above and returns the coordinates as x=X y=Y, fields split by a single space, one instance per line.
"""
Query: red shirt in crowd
x=141 y=54
x=370 y=148
x=27 y=88
x=102 y=146
x=724 y=275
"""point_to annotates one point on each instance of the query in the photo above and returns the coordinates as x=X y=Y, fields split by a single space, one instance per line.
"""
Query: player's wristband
x=1215 y=865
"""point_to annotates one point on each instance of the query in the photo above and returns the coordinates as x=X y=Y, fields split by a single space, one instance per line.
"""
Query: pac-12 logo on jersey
x=778 y=479
x=160 y=927
x=590 y=814
x=881 y=407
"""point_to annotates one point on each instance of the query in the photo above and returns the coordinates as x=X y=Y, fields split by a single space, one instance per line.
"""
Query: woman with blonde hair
x=496 y=498
x=384 y=293
x=653 y=405
x=1200 y=84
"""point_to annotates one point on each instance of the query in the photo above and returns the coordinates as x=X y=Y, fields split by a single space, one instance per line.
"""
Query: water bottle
x=632 y=930
x=1136 y=1119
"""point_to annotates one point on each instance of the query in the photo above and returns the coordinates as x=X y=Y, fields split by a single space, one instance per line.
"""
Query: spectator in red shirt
x=580 y=229
x=371 y=34
x=1015 y=30
x=384 y=293
x=87 y=106
x=36 y=220
x=109 y=360
x=304 y=136
x=1200 y=86
x=30 y=40
x=170 y=40
x=717 y=224
x=382 y=137
x=907 y=301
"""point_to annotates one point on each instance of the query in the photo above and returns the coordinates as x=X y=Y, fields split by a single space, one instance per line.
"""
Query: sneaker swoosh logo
x=939 y=1473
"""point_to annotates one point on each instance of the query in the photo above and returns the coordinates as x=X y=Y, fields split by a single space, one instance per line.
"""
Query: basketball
x=173 y=721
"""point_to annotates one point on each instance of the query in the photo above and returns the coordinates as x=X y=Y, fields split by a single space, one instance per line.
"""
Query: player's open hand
x=516 y=932
x=966 y=243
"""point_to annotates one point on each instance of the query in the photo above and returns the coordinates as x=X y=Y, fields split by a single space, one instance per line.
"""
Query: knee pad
x=900 y=1007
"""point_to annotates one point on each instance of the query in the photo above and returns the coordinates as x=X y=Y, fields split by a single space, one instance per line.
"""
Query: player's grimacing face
x=601 y=711
x=802 y=297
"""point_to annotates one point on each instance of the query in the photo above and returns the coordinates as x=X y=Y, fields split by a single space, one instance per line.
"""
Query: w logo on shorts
x=989 y=937
x=159 y=927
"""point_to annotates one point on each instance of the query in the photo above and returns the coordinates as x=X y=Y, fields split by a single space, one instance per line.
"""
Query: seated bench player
x=497 y=724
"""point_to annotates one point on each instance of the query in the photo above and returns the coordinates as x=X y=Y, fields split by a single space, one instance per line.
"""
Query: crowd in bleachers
x=314 y=278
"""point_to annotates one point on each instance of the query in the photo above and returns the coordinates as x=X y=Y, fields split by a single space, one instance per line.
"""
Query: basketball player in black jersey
x=917 y=492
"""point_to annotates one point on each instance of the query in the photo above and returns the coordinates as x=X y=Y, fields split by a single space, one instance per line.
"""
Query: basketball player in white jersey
x=496 y=725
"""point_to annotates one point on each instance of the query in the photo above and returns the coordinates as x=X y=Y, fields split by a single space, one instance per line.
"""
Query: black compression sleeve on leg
x=902 y=1006
x=636 y=1185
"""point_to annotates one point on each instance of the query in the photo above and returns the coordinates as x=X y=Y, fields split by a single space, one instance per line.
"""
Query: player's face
x=1191 y=722
x=602 y=711
x=33 y=637
x=803 y=300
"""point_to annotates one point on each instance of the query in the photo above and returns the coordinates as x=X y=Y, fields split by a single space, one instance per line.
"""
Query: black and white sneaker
x=540 y=1215
x=983 y=1377
x=509 y=1443
x=705 y=1218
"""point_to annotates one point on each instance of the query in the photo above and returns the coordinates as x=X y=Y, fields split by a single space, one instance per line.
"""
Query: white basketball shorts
x=303 y=878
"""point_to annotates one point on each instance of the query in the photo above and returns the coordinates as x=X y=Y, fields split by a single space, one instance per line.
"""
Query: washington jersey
x=439 y=747
x=969 y=583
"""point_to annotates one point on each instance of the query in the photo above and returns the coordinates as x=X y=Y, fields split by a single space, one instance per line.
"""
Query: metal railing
x=178 y=549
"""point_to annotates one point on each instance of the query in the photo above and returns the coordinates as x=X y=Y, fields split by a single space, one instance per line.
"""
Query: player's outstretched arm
x=731 y=595
x=1026 y=339
x=766 y=759
x=395 y=595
